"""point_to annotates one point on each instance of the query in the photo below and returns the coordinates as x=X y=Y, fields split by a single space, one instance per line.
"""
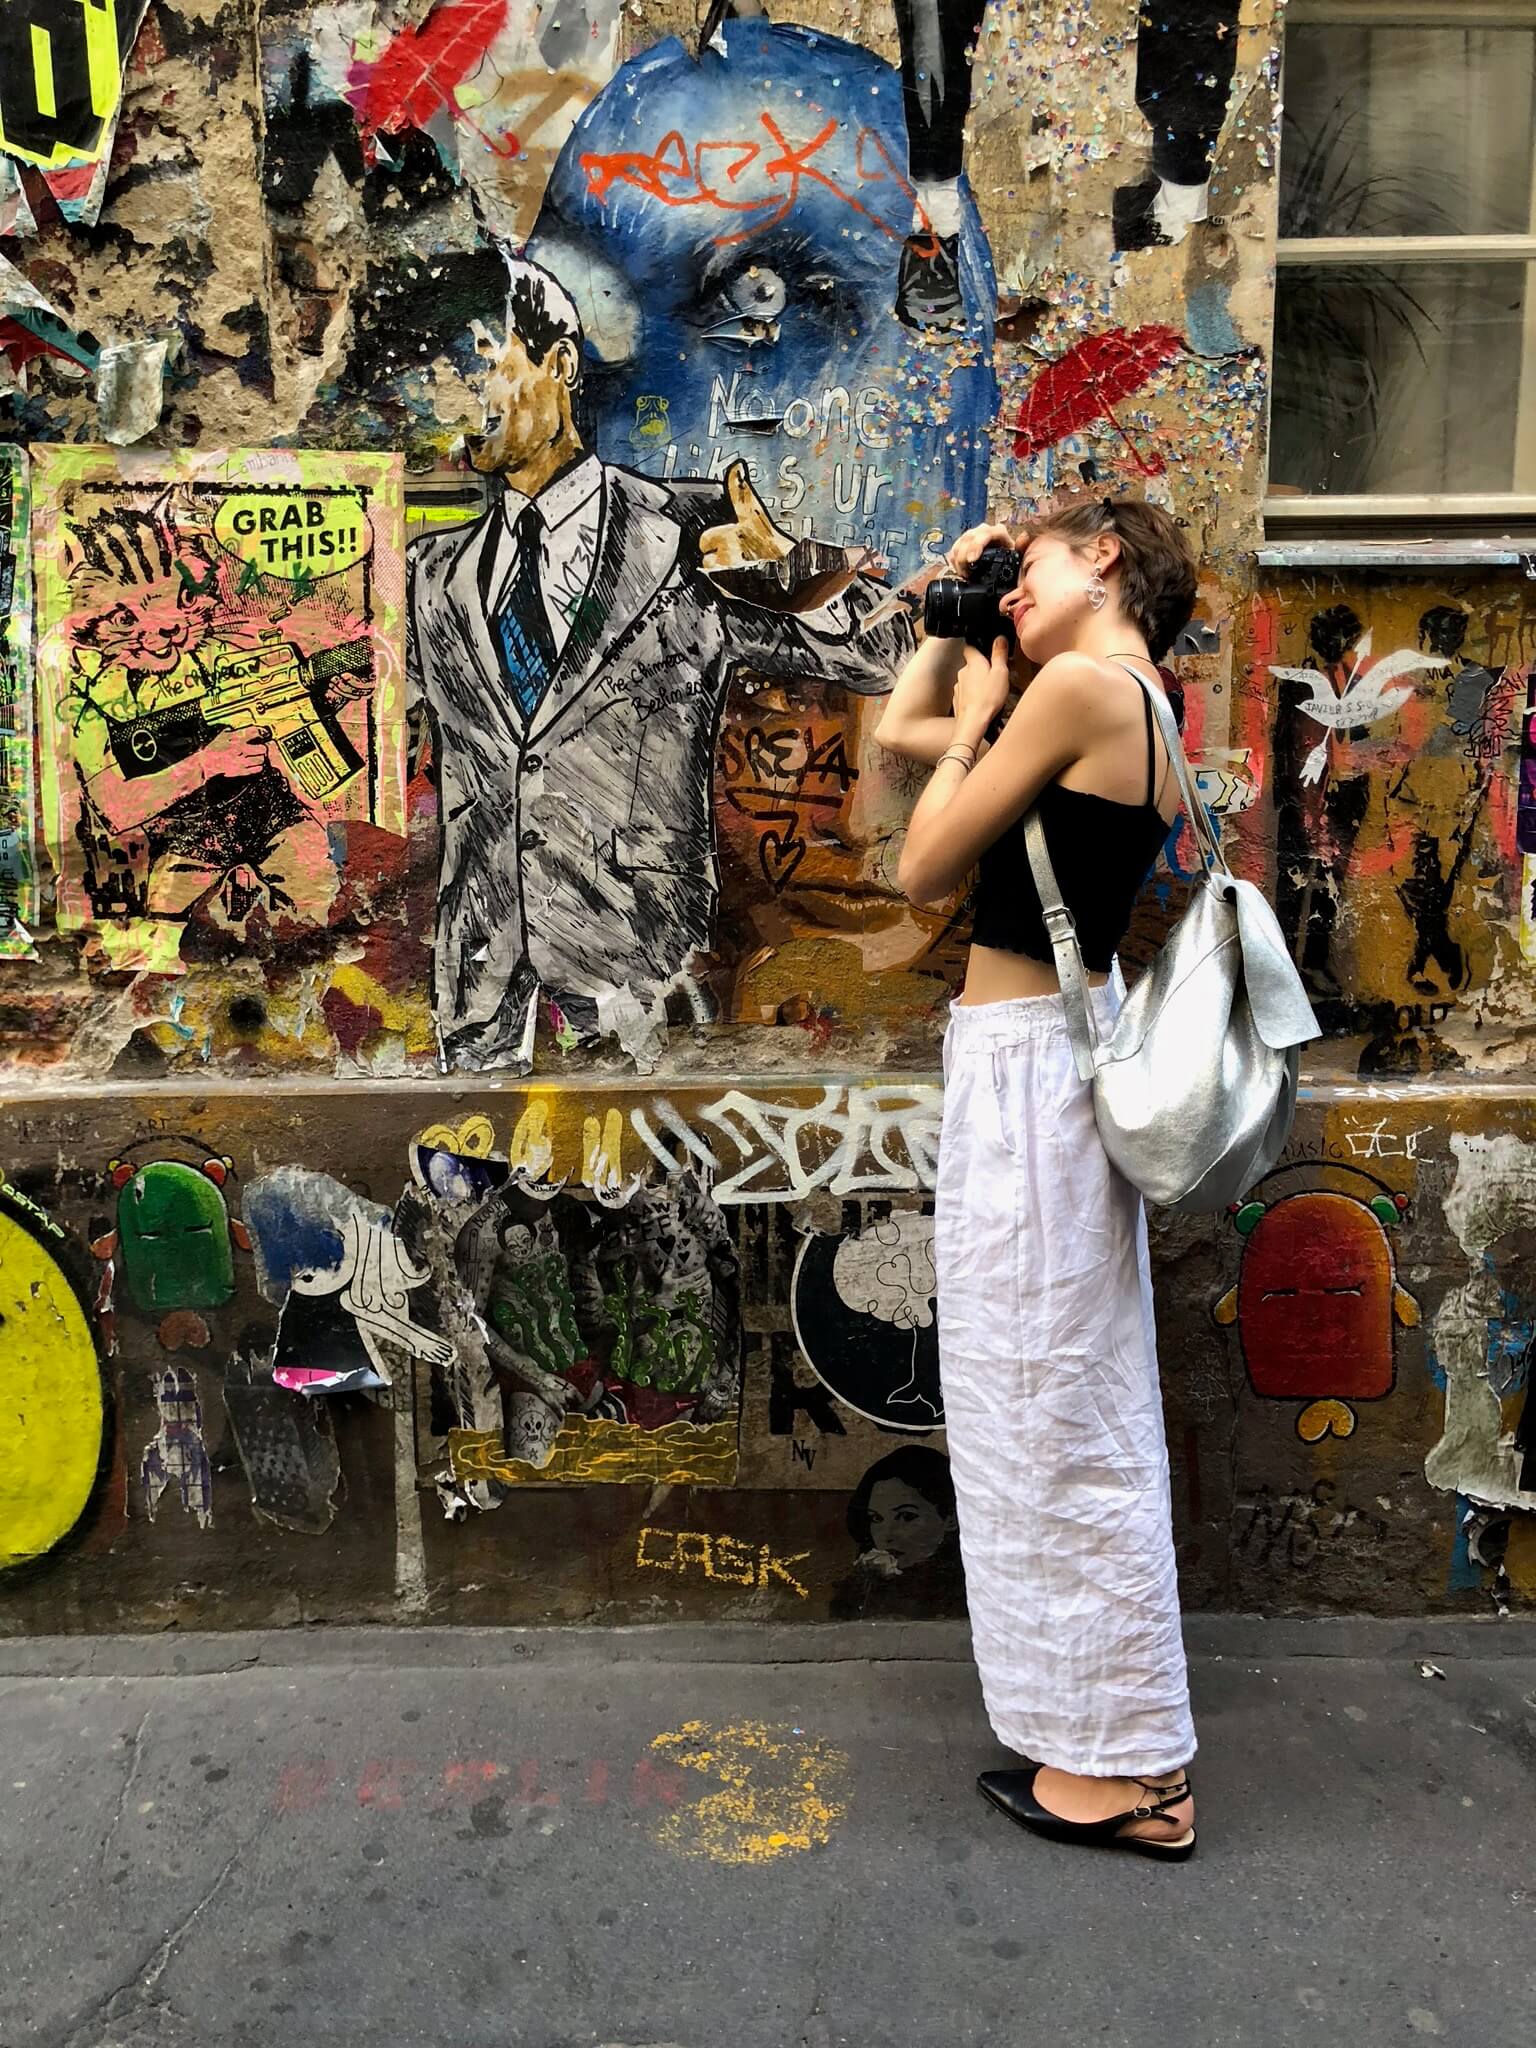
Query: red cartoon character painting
x=1317 y=1301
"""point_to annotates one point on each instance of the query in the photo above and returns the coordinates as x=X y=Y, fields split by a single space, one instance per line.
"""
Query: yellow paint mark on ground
x=51 y=1410
x=778 y=1792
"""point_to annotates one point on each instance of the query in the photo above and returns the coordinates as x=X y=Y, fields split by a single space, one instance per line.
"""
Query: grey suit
x=577 y=849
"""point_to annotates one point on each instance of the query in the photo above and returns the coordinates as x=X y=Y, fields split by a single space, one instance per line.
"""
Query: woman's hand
x=981 y=691
x=967 y=549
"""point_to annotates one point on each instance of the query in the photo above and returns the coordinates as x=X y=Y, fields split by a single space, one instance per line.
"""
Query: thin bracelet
x=954 y=753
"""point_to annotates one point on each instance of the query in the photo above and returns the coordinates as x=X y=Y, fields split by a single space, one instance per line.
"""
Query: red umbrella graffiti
x=1088 y=382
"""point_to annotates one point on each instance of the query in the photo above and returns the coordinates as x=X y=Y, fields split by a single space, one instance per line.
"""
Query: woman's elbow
x=920 y=883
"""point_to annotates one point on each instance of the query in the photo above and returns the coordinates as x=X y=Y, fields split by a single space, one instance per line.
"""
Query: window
x=1405 y=292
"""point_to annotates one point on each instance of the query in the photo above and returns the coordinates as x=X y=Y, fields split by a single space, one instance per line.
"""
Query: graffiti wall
x=1393 y=717
x=614 y=1354
x=694 y=338
x=468 y=470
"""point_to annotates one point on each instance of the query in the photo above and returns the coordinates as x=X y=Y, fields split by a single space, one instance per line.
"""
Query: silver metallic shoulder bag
x=1194 y=1089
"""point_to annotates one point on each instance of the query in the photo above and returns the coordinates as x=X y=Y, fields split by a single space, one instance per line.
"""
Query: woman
x=902 y=1518
x=1046 y=1338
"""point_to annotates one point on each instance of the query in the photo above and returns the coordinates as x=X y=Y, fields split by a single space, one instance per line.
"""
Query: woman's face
x=1050 y=601
x=905 y=1523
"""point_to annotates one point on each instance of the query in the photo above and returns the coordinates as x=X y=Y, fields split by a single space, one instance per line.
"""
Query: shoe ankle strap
x=1167 y=1795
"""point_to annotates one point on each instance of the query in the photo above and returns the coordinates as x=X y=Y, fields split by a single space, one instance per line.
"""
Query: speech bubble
x=295 y=532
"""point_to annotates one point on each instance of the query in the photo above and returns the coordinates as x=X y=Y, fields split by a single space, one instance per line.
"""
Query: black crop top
x=1102 y=852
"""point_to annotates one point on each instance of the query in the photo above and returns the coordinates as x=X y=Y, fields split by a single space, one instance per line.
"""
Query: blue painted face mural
x=732 y=228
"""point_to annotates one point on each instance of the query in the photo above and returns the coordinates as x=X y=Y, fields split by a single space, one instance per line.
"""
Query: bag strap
x=1060 y=926
x=1061 y=929
x=1212 y=856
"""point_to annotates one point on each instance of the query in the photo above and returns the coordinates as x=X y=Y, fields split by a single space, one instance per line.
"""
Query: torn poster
x=16 y=216
x=30 y=327
x=17 y=873
x=606 y=1337
x=286 y=1447
x=79 y=189
x=177 y=1455
x=497 y=86
x=61 y=76
x=220 y=688
x=344 y=1283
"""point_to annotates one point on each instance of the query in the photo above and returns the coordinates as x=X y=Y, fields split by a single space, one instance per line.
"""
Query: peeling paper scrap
x=18 y=294
x=130 y=390
x=79 y=189
x=30 y=326
x=16 y=216
x=621 y=1012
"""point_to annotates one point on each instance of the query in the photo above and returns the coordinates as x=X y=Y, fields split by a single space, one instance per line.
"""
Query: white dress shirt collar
x=559 y=499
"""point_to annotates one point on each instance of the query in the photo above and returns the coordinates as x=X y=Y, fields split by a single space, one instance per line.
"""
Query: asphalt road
x=664 y=1839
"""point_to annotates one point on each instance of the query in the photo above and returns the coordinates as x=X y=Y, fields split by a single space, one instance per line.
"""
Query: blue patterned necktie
x=522 y=624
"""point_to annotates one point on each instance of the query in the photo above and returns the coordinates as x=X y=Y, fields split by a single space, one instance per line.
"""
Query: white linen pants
x=1052 y=1407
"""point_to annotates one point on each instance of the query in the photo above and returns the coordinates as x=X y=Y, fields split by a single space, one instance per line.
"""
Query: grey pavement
x=762 y=1839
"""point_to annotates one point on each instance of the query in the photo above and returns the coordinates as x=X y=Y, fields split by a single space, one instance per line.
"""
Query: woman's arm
x=963 y=810
x=918 y=721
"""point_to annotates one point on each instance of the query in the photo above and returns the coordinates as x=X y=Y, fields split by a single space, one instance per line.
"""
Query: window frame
x=1344 y=514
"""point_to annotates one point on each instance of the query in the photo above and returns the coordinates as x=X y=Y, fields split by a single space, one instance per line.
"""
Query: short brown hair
x=1158 y=582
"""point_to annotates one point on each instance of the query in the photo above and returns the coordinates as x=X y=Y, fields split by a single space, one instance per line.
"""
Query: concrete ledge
x=174 y=1654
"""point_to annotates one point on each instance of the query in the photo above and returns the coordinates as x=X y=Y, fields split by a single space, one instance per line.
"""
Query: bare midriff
x=993 y=975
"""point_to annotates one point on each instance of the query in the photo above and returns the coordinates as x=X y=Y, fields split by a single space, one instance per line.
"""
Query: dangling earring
x=1095 y=592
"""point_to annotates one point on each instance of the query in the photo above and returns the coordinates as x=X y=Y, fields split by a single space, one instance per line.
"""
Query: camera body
x=968 y=608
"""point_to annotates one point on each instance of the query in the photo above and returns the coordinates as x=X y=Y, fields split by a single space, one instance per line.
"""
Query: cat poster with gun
x=220 y=687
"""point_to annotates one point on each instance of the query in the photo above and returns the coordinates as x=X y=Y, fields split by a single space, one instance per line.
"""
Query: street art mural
x=220 y=690
x=762 y=280
x=866 y=1320
x=1318 y=1304
x=573 y=646
x=343 y=1283
x=54 y=1443
x=597 y=1337
x=520 y=1308
x=683 y=338
x=176 y=1457
x=1186 y=56
x=1393 y=753
x=902 y=1519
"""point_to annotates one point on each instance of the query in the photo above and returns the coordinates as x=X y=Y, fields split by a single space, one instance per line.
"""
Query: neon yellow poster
x=221 y=687
x=61 y=76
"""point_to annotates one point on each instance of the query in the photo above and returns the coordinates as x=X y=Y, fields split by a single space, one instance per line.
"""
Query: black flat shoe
x=1013 y=1793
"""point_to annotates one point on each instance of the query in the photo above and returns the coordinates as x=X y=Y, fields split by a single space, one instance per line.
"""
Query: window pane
x=1402 y=378
x=1407 y=131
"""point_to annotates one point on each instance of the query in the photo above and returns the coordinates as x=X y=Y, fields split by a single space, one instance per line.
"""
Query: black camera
x=967 y=608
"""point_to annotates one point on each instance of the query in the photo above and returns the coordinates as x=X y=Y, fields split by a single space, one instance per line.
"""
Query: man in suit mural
x=574 y=657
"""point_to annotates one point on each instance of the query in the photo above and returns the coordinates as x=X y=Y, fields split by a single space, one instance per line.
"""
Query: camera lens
x=942 y=608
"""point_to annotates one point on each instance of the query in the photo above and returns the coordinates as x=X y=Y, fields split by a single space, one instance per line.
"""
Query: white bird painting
x=1363 y=700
